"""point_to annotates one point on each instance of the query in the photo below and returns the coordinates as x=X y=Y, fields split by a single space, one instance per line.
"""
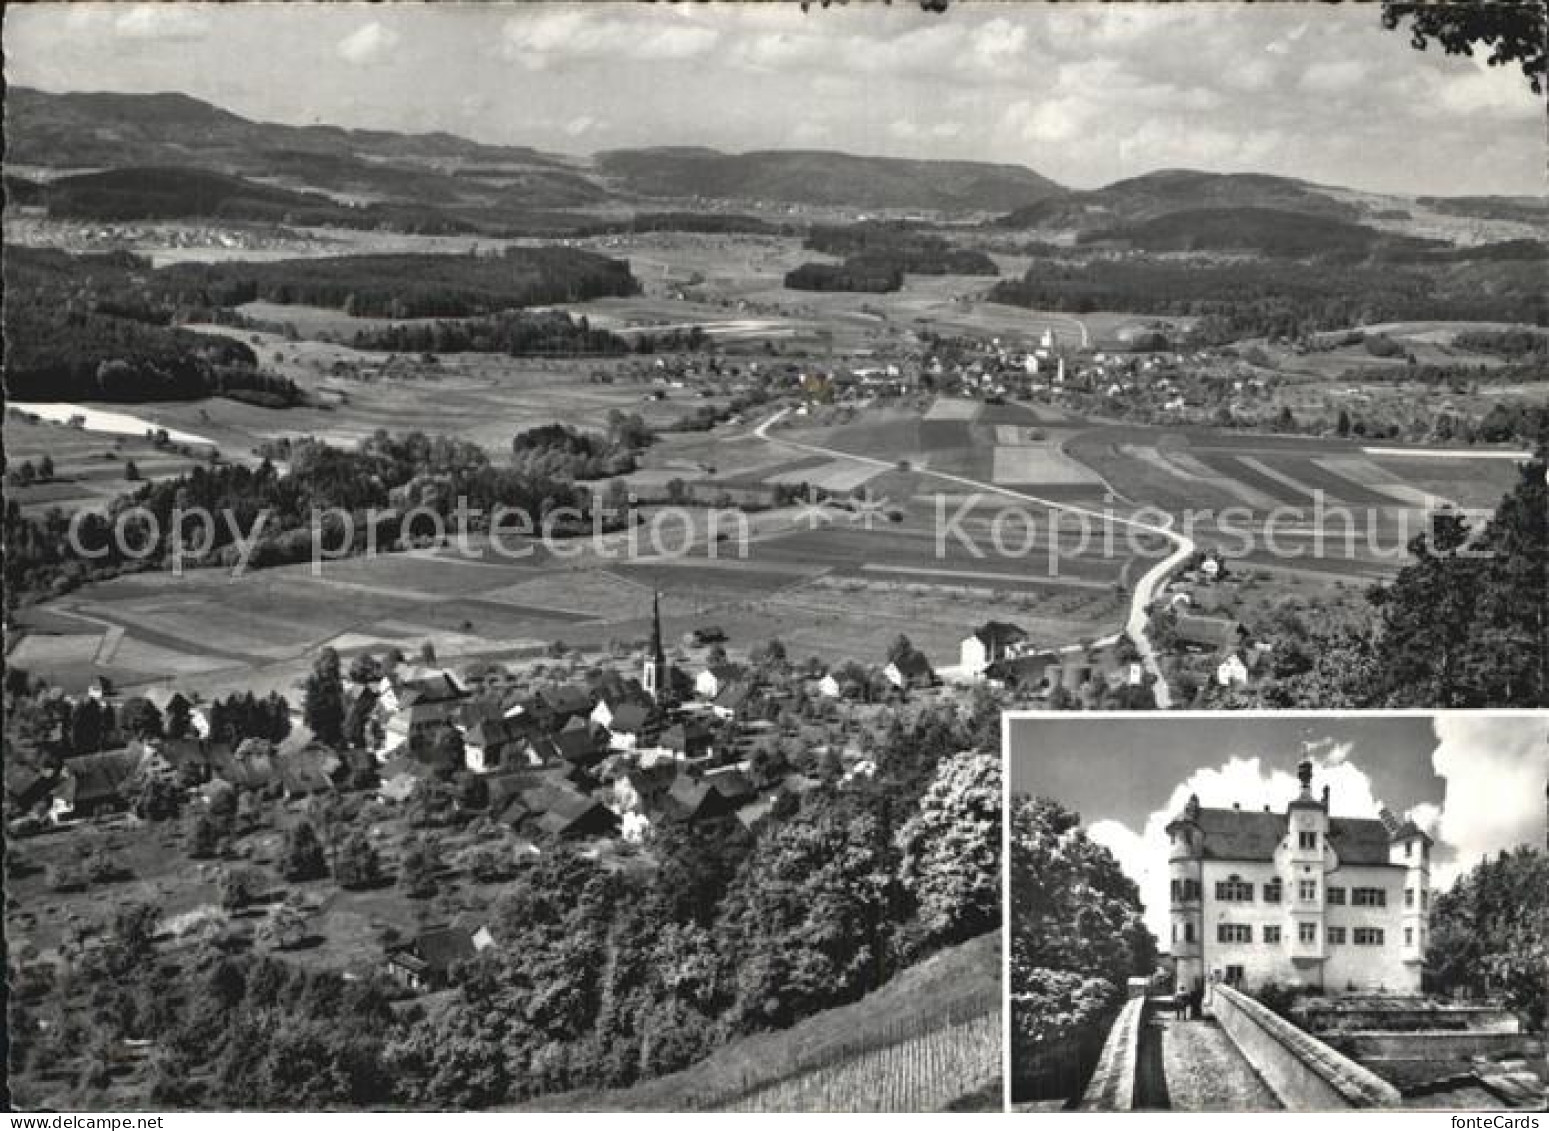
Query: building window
x=1336 y=936
x=1234 y=889
x=1272 y=891
x=1307 y=890
x=1234 y=933
x=1234 y=975
x=1409 y=936
x=1409 y=849
x=1307 y=932
x=1336 y=897
x=1188 y=932
x=1409 y=897
x=1368 y=897
x=1307 y=840
x=1271 y=933
x=1425 y=899
x=1368 y=936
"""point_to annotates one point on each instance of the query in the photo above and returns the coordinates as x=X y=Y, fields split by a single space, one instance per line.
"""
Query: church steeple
x=654 y=679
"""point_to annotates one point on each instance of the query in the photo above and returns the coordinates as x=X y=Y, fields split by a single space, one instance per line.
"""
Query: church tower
x=654 y=679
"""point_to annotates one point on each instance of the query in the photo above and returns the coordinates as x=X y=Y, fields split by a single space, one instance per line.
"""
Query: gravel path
x=1205 y=1072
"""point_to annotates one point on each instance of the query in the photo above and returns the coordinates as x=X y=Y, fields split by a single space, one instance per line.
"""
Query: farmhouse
x=991 y=642
x=1303 y=898
x=428 y=960
x=555 y=810
x=92 y=784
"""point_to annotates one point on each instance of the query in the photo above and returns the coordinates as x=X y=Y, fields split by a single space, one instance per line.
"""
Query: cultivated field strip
x=921 y=1071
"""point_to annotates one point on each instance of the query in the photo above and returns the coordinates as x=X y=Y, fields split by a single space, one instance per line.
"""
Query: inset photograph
x=1295 y=911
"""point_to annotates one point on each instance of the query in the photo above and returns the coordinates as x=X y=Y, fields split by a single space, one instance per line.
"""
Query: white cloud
x=1485 y=90
x=581 y=124
x=579 y=34
x=1334 y=76
x=167 y=23
x=369 y=43
x=1495 y=770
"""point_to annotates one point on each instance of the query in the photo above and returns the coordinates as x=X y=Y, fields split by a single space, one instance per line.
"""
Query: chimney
x=1325 y=797
x=1304 y=772
x=1389 y=821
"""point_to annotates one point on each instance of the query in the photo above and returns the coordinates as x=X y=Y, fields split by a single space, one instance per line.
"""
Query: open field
x=88 y=466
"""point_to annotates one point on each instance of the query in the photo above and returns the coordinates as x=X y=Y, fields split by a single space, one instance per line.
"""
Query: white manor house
x=1299 y=897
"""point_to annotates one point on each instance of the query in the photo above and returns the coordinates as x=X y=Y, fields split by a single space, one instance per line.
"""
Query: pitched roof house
x=428 y=961
x=94 y=783
x=992 y=641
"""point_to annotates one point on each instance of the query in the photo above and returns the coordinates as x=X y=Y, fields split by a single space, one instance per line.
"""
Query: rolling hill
x=96 y=131
x=816 y=177
x=1178 y=190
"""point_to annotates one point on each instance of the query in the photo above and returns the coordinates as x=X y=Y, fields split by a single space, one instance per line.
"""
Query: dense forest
x=404 y=286
x=914 y=251
x=519 y=333
x=1268 y=231
x=178 y=193
x=855 y=274
x=85 y=329
x=1246 y=298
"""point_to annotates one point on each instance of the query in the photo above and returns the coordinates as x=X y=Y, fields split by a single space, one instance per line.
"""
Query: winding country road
x=1144 y=590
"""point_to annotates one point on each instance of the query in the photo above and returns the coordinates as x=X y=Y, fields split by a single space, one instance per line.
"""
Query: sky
x=1474 y=782
x=1084 y=93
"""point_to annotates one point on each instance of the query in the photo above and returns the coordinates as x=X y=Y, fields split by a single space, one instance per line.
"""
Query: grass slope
x=929 y=1015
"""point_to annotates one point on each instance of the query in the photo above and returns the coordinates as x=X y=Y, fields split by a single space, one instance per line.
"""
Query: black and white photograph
x=1302 y=912
x=523 y=521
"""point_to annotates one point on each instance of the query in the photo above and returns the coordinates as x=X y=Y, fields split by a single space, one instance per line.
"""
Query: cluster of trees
x=83 y=328
x=1077 y=935
x=1489 y=935
x=517 y=333
x=242 y=716
x=909 y=249
x=1245 y=298
x=404 y=286
x=1516 y=345
x=875 y=276
x=564 y=451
